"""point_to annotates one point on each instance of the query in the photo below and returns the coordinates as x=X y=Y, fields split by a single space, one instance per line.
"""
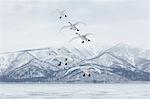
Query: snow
x=115 y=64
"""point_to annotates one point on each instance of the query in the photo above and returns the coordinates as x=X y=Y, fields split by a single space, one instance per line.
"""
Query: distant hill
x=119 y=63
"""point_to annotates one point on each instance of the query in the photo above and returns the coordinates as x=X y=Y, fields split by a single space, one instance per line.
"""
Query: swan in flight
x=61 y=58
x=61 y=13
x=72 y=26
x=82 y=37
x=87 y=70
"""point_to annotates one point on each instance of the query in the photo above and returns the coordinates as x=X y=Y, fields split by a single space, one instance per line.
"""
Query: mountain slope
x=116 y=64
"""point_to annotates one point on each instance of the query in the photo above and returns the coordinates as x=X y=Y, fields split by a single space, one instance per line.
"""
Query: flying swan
x=72 y=26
x=61 y=13
x=82 y=37
x=87 y=70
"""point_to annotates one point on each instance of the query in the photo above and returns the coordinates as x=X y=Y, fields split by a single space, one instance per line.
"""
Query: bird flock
x=87 y=70
x=73 y=27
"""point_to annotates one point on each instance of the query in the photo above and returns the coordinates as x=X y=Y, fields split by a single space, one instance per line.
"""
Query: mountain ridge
x=118 y=63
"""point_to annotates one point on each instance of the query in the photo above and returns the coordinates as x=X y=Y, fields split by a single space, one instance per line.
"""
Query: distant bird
x=72 y=26
x=61 y=13
x=87 y=70
x=82 y=37
x=61 y=58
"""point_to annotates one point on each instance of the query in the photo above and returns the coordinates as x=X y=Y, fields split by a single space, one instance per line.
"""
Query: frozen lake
x=74 y=91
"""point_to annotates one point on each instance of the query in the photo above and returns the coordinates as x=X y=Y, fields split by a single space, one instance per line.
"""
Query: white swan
x=72 y=26
x=61 y=13
x=87 y=70
x=61 y=58
x=82 y=37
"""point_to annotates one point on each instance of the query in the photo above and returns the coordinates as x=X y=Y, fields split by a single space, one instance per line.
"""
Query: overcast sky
x=29 y=24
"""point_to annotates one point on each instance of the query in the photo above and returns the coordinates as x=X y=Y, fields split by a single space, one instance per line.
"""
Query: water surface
x=74 y=91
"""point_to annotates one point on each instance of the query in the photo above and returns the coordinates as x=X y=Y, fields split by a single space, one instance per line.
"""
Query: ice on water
x=74 y=91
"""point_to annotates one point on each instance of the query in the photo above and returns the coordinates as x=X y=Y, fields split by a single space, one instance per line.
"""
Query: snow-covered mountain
x=116 y=64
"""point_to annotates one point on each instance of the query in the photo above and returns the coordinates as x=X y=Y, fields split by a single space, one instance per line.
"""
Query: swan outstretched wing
x=83 y=69
x=63 y=11
x=88 y=34
x=64 y=27
x=73 y=38
x=72 y=69
x=79 y=23
x=91 y=69
x=76 y=68
x=60 y=11
x=97 y=70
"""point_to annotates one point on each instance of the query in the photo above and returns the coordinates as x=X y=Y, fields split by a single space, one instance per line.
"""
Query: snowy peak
x=117 y=63
x=107 y=59
x=21 y=59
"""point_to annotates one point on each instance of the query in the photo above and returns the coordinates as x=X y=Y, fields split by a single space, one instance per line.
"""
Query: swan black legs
x=89 y=75
x=87 y=40
x=83 y=75
x=61 y=17
x=59 y=64
x=65 y=63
